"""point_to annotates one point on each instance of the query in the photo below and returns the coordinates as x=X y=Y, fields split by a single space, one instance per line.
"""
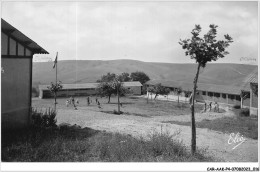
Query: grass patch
x=167 y=107
x=247 y=126
x=74 y=144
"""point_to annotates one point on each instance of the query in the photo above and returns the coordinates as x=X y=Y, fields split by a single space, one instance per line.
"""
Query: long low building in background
x=229 y=95
x=85 y=89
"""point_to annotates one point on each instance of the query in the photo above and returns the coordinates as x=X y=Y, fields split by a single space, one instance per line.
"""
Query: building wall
x=15 y=84
x=232 y=99
x=254 y=100
x=136 y=90
x=81 y=92
x=246 y=102
x=221 y=98
x=4 y=40
x=15 y=91
x=67 y=93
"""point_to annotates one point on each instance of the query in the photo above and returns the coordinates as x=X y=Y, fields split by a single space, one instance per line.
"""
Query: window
x=210 y=94
x=224 y=96
x=204 y=93
x=231 y=96
x=217 y=94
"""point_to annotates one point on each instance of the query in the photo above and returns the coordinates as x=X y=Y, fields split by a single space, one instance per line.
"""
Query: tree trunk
x=109 y=99
x=147 y=96
x=241 y=101
x=118 y=101
x=155 y=96
x=178 y=98
x=193 y=125
x=55 y=101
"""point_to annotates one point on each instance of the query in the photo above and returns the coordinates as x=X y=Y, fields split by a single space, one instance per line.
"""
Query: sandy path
x=216 y=142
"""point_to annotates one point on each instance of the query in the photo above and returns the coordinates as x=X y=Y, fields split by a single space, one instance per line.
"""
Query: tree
x=54 y=88
x=139 y=76
x=107 y=86
x=124 y=77
x=117 y=85
x=167 y=92
x=179 y=91
x=107 y=78
x=105 y=89
x=203 y=50
x=158 y=89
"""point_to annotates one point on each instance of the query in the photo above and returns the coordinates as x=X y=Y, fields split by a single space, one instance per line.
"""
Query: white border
x=171 y=166
x=120 y=166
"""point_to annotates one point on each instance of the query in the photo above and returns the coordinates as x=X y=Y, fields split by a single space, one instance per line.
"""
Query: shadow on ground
x=36 y=136
x=126 y=113
x=247 y=126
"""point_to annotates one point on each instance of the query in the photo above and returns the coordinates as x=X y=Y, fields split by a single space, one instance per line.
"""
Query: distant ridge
x=83 y=71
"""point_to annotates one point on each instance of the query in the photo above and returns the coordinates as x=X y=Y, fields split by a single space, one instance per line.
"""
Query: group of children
x=215 y=107
x=73 y=102
x=97 y=102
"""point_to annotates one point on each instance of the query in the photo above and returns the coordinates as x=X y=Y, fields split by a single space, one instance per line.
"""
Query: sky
x=140 y=30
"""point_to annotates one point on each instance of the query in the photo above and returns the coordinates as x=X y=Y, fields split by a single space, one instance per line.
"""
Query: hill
x=82 y=71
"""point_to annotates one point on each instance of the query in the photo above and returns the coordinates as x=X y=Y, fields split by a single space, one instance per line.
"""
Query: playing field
x=140 y=118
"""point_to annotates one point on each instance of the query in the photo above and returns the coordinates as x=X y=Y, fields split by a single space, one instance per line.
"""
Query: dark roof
x=201 y=86
x=252 y=77
x=89 y=85
x=20 y=37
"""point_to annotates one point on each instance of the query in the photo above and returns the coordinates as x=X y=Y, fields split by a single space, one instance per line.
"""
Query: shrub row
x=43 y=119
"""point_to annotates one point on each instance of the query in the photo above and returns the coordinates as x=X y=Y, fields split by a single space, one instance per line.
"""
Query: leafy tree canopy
x=110 y=83
x=158 y=89
x=139 y=76
x=179 y=90
x=54 y=88
x=205 y=49
x=107 y=78
x=125 y=77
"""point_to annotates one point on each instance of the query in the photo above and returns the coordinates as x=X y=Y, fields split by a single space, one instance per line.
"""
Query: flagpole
x=56 y=80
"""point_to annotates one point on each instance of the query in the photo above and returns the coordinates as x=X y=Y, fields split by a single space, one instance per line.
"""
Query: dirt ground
x=139 y=121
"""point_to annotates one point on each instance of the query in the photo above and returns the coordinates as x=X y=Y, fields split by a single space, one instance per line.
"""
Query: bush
x=43 y=119
x=35 y=92
x=76 y=144
x=236 y=107
x=157 y=147
x=244 y=112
